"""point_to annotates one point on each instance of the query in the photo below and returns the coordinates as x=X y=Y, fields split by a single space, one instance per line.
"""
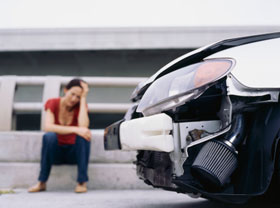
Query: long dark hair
x=73 y=83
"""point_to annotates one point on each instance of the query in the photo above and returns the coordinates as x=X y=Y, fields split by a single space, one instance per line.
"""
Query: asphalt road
x=105 y=199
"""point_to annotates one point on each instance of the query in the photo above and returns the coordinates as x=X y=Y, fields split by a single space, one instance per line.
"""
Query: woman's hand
x=84 y=132
x=85 y=89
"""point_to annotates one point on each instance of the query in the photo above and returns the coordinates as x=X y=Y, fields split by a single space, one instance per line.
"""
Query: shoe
x=37 y=188
x=81 y=188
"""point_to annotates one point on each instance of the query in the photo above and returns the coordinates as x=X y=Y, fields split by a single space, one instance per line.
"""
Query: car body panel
x=252 y=69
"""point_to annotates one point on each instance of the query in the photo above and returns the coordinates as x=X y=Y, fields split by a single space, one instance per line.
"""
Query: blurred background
x=126 y=39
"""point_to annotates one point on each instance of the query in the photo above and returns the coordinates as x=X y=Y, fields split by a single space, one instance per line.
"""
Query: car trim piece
x=236 y=88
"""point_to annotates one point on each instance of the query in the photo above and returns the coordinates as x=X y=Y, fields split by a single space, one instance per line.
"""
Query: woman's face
x=73 y=96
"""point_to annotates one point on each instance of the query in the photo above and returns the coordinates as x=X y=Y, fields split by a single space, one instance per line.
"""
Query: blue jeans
x=52 y=153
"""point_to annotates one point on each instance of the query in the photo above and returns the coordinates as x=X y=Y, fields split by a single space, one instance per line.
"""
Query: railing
x=51 y=88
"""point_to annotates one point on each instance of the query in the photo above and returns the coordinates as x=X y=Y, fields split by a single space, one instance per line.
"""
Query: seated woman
x=67 y=140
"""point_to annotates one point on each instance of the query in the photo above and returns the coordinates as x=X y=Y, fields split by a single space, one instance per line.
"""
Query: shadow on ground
x=207 y=204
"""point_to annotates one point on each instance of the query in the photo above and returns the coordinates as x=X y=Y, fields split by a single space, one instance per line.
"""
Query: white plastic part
x=147 y=133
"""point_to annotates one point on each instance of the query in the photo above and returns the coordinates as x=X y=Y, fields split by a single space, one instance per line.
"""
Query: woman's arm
x=83 y=119
x=51 y=126
x=59 y=129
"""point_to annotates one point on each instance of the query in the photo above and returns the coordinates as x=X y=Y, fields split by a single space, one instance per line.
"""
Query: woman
x=67 y=140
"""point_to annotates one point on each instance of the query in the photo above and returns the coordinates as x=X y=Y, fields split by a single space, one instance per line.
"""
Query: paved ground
x=101 y=199
x=104 y=199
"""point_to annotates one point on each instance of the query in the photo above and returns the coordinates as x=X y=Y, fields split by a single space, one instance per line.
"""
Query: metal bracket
x=177 y=156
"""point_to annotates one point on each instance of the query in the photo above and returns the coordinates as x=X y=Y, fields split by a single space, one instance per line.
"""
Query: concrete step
x=24 y=146
x=101 y=176
x=20 y=154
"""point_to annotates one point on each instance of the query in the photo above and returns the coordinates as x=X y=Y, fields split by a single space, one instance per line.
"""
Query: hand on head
x=85 y=88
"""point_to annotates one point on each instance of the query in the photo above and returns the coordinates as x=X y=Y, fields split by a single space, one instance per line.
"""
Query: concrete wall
x=124 y=63
x=121 y=63
x=121 y=38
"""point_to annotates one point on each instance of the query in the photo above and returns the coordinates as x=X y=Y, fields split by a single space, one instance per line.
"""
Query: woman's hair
x=73 y=83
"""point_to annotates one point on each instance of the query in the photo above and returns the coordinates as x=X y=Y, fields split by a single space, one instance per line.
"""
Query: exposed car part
x=149 y=133
x=217 y=159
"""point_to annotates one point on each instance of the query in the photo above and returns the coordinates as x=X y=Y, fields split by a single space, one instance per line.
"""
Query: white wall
x=137 y=13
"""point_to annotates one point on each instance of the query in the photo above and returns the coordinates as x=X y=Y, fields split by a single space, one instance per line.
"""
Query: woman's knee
x=50 y=138
x=82 y=141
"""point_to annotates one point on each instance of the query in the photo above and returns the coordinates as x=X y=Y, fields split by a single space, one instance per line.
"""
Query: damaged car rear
x=207 y=124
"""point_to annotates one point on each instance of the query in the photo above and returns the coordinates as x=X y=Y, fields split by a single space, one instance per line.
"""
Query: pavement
x=154 y=198
x=102 y=199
